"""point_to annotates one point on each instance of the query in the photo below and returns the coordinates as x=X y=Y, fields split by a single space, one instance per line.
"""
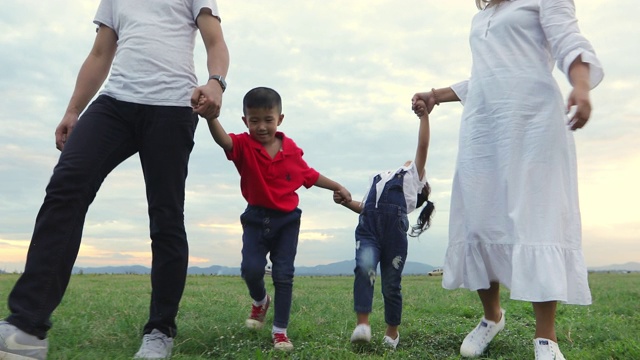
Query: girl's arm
x=219 y=135
x=423 y=137
x=355 y=206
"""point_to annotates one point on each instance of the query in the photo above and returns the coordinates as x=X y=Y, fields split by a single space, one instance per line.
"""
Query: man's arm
x=217 y=64
x=92 y=74
x=219 y=135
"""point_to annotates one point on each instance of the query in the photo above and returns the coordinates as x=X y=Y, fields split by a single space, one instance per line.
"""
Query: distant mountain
x=338 y=268
x=630 y=266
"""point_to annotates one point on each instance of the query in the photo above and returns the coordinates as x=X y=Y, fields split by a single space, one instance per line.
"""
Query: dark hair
x=262 y=98
x=424 y=219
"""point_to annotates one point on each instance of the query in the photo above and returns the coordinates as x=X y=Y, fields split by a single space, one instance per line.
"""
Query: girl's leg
x=367 y=258
x=545 y=320
x=490 y=299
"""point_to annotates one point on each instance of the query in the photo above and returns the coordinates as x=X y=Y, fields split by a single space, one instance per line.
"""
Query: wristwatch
x=220 y=80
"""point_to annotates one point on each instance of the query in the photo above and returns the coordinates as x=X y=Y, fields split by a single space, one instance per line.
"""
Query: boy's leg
x=284 y=246
x=101 y=140
x=254 y=252
x=165 y=136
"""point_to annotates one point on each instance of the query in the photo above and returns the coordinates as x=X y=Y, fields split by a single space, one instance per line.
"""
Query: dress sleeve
x=461 y=90
x=560 y=26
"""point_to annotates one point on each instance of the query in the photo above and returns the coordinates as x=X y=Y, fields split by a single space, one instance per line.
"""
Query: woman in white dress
x=515 y=218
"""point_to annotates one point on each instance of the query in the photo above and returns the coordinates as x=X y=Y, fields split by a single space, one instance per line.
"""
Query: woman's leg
x=490 y=299
x=545 y=319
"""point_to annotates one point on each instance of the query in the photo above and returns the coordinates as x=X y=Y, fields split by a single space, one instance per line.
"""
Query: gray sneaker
x=156 y=345
x=16 y=344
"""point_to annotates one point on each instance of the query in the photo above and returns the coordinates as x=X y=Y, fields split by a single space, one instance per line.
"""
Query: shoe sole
x=254 y=324
x=283 y=347
x=7 y=356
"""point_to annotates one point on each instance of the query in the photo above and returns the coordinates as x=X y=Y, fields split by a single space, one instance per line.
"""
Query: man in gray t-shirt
x=146 y=108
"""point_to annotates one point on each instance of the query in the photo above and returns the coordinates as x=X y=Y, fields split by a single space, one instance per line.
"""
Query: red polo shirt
x=267 y=182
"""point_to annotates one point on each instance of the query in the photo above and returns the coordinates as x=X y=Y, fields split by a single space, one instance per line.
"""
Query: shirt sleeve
x=236 y=151
x=202 y=4
x=560 y=26
x=461 y=90
x=309 y=174
x=104 y=15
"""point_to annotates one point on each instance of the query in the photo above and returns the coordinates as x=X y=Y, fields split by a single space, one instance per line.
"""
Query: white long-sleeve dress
x=514 y=215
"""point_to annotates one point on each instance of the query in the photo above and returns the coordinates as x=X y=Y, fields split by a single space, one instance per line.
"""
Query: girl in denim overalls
x=381 y=236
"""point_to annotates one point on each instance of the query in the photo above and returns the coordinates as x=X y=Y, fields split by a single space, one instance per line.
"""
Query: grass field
x=101 y=317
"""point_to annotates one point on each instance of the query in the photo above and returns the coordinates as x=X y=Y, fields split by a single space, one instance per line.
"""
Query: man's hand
x=64 y=129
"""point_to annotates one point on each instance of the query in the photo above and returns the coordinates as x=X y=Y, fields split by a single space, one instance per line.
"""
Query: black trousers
x=109 y=132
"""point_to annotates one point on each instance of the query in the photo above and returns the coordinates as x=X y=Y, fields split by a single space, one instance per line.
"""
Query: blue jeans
x=381 y=238
x=109 y=132
x=272 y=232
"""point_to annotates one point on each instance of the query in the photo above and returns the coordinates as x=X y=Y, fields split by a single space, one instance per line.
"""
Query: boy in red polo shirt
x=271 y=170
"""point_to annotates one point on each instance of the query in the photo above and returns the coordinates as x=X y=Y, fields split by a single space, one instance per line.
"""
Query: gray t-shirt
x=153 y=64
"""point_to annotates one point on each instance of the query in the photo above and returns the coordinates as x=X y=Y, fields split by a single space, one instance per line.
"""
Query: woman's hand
x=579 y=98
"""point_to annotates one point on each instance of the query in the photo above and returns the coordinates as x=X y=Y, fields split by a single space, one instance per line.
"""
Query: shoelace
x=279 y=338
x=256 y=311
x=154 y=342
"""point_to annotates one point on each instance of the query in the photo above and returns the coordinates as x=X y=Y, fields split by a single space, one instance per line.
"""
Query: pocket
x=403 y=223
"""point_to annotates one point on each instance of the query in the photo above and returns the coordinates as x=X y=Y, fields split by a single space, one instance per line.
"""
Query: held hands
x=342 y=196
x=428 y=99
x=419 y=107
x=206 y=100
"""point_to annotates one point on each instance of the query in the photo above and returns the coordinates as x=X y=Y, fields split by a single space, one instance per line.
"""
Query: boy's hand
x=337 y=198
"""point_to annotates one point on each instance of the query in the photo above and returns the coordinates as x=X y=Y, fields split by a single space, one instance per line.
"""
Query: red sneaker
x=282 y=342
x=258 y=315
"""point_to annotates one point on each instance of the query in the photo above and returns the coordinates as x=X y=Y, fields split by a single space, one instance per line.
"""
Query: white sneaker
x=476 y=342
x=391 y=343
x=155 y=345
x=17 y=344
x=547 y=349
x=361 y=334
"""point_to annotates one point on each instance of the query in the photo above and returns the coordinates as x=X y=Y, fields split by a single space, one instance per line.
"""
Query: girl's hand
x=337 y=198
x=419 y=107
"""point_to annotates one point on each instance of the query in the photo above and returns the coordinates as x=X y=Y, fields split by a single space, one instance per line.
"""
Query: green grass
x=101 y=317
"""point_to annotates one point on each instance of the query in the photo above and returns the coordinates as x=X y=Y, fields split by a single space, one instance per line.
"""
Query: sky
x=346 y=71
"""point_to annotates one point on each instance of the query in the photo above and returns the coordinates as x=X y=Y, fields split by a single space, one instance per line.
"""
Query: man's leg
x=165 y=136
x=100 y=141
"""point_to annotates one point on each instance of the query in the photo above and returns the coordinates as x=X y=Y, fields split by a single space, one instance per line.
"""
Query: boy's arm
x=219 y=135
x=326 y=183
x=423 y=138
x=217 y=64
